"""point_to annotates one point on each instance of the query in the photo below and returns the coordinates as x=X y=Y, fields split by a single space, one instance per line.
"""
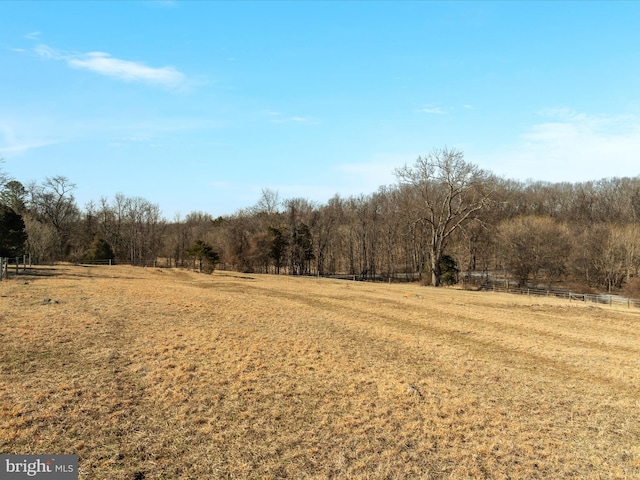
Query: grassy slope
x=151 y=374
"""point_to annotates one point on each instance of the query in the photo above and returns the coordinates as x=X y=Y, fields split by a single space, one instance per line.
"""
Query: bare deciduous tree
x=268 y=203
x=532 y=245
x=53 y=203
x=449 y=193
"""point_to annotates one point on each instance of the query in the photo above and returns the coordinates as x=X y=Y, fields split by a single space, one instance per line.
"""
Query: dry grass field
x=150 y=374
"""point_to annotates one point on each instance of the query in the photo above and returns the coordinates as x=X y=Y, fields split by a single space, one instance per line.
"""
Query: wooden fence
x=149 y=263
x=10 y=266
x=603 y=299
x=5 y=262
x=98 y=262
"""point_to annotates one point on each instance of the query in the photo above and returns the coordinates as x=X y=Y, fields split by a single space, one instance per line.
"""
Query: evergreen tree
x=448 y=270
x=99 y=250
x=279 y=244
x=204 y=255
x=14 y=195
x=12 y=233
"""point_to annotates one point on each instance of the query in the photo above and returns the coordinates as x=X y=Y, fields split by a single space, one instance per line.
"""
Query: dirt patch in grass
x=171 y=374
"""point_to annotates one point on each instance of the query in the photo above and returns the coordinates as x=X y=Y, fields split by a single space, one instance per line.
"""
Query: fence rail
x=98 y=262
x=603 y=299
x=4 y=265
x=148 y=263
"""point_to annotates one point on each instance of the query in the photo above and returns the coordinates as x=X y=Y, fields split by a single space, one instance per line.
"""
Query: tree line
x=444 y=221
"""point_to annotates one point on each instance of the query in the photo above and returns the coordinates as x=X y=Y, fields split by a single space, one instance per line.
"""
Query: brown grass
x=150 y=374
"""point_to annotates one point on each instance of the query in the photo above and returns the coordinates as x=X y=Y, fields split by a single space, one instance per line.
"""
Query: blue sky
x=199 y=105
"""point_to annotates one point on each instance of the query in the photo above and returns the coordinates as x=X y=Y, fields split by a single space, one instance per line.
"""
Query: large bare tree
x=447 y=192
x=53 y=203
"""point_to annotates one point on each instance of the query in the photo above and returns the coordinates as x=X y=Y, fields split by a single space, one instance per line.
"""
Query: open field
x=150 y=374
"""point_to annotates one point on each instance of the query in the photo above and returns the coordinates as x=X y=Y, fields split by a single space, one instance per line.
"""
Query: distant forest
x=445 y=221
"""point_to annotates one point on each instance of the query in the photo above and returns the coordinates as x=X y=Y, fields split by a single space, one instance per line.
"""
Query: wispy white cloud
x=572 y=146
x=16 y=140
x=13 y=149
x=432 y=109
x=125 y=70
x=150 y=128
x=32 y=35
x=105 y=64
x=278 y=117
x=20 y=132
x=48 y=53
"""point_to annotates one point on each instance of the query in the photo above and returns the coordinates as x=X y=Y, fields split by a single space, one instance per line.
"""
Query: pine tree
x=12 y=233
x=204 y=255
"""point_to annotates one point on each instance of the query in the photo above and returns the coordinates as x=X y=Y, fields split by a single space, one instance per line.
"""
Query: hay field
x=150 y=374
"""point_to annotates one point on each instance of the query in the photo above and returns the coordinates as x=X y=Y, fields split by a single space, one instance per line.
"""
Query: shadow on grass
x=61 y=271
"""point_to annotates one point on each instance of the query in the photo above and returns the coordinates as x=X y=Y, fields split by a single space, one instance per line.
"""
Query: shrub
x=449 y=270
x=99 y=250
